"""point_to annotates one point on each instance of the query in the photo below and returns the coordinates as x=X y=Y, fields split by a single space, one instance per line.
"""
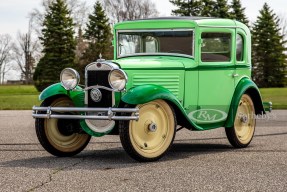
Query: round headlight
x=69 y=78
x=118 y=79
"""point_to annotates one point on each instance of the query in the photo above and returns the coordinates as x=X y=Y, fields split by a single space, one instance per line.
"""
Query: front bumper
x=55 y=112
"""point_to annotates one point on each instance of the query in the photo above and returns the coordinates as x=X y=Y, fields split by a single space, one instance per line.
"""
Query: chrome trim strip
x=85 y=109
x=107 y=63
x=99 y=87
x=125 y=118
x=110 y=111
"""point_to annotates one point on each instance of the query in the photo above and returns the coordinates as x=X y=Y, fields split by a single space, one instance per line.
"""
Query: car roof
x=179 y=21
x=193 y=18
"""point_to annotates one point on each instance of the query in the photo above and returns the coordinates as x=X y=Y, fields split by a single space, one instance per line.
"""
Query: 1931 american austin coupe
x=167 y=73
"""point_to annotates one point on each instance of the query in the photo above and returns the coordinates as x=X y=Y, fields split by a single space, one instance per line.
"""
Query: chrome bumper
x=111 y=113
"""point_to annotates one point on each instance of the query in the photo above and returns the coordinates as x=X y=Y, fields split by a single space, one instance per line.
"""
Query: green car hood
x=154 y=62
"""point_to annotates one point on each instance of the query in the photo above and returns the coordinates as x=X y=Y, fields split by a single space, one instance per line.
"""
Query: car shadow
x=115 y=157
x=112 y=158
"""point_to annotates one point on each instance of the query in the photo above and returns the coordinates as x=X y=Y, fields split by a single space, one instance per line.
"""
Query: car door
x=216 y=76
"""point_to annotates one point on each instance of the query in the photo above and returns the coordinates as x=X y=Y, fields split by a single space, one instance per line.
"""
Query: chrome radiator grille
x=99 y=78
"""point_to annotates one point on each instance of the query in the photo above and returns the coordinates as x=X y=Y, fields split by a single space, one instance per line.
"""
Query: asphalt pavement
x=198 y=161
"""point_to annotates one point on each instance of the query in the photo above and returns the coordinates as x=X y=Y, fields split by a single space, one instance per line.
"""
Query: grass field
x=278 y=97
x=16 y=97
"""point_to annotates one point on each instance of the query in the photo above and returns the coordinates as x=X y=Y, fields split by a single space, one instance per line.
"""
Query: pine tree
x=59 y=45
x=207 y=8
x=221 y=9
x=237 y=12
x=187 y=7
x=98 y=33
x=269 y=60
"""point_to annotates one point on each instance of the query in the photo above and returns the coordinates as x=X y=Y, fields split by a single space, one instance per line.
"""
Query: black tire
x=139 y=138
x=56 y=141
x=241 y=134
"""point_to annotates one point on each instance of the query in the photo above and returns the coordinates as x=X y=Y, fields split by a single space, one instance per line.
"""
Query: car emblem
x=96 y=95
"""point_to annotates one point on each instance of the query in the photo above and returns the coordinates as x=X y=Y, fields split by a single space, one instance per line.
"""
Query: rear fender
x=245 y=86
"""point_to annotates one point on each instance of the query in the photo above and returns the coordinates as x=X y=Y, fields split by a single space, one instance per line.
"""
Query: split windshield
x=155 y=42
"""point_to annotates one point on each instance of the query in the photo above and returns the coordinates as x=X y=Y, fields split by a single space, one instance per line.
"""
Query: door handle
x=235 y=75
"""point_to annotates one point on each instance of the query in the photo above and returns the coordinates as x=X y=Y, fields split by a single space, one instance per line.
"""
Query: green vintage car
x=167 y=74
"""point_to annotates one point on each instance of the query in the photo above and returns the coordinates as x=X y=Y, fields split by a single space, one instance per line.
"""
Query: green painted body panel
x=138 y=95
x=245 y=85
x=155 y=24
x=168 y=72
x=76 y=96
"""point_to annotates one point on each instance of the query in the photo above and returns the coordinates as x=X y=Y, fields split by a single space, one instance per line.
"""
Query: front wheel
x=61 y=137
x=241 y=134
x=149 y=138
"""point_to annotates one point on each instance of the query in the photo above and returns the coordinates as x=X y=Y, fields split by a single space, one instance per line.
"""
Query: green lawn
x=16 y=97
x=278 y=96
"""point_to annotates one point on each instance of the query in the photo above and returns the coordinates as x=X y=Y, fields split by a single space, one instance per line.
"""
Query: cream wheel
x=151 y=136
x=61 y=137
x=241 y=134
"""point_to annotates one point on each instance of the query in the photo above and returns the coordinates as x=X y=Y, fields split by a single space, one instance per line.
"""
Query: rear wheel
x=61 y=137
x=149 y=138
x=241 y=134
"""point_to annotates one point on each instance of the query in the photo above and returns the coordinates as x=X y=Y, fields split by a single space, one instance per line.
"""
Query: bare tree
x=122 y=10
x=79 y=12
x=26 y=53
x=283 y=26
x=8 y=67
x=5 y=54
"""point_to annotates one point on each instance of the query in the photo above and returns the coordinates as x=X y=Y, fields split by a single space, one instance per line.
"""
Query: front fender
x=77 y=96
x=247 y=86
x=146 y=93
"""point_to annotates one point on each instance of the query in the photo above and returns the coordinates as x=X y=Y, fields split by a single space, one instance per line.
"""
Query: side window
x=215 y=47
x=239 y=48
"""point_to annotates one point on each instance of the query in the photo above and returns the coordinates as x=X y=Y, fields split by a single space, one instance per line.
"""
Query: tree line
x=69 y=35
x=62 y=47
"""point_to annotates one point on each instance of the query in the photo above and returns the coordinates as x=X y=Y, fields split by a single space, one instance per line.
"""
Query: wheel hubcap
x=243 y=118
x=152 y=127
